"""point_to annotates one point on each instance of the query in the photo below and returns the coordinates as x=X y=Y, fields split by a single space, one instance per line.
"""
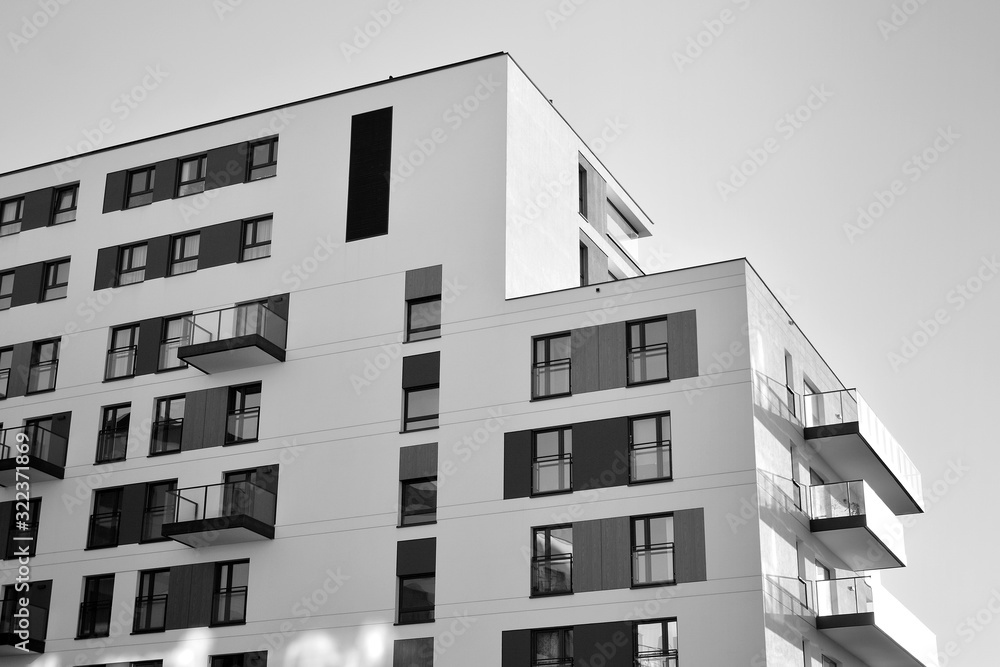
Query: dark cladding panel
x=515 y=648
x=157 y=257
x=20 y=363
x=226 y=166
x=682 y=345
x=200 y=599
x=37 y=209
x=107 y=268
x=28 y=284
x=147 y=358
x=114 y=191
x=421 y=370
x=178 y=589
x=416 y=556
x=133 y=504
x=689 y=545
x=423 y=282
x=583 y=360
x=216 y=416
x=608 y=644
x=616 y=552
x=418 y=461
x=611 y=343
x=517 y=464
x=165 y=181
x=368 y=178
x=587 y=556
x=413 y=652
x=193 y=431
x=600 y=453
x=220 y=244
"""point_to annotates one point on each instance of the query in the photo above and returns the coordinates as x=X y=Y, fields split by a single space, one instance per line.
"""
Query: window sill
x=223 y=624
x=543 y=494
x=122 y=377
x=259 y=178
x=92 y=636
x=640 y=482
x=630 y=383
x=416 y=525
x=653 y=584
x=101 y=463
x=416 y=430
x=39 y=391
x=548 y=396
x=172 y=368
x=399 y=623
x=147 y=632
x=168 y=453
x=239 y=442
x=58 y=298
x=106 y=546
x=548 y=595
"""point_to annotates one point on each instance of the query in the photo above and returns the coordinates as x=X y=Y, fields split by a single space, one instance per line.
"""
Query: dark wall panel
x=608 y=644
x=689 y=545
x=421 y=369
x=515 y=648
x=133 y=504
x=157 y=257
x=279 y=304
x=416 y=556
x=6 y=509
x=616 y=551
x=267 y=478
x=37 y=209
x=611 y=341
x=587 y=556
x=216 y=407
x=418 y=461
x=226 y=166
x=200 y=600
x=114 y=191
x=368 y=180
x=165 y=181
x=517 y=464
x=178 y=594
x=61 y=424
x=584 y=374
x=147 y=357
x=20 y=363
x=682 y=345
x=413 y=652
x=107 y=268
x=423 y=282
x=193 y=433
x=28 y=281
x=600 y=453
x=220 y=244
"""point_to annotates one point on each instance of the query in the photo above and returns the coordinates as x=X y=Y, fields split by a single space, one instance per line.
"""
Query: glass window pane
x=661 y=529
x=656 y=332
x=560 y=348
x=422 y=403
x=547 y=443
x=643 y=431
x=261 y=154
x=649 y=637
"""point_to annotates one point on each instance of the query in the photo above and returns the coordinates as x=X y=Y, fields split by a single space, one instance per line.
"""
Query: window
x=168 y=423
x=552 y=461
x=151 y=603
x=239 y=492
x=95 y=610
x=649 y=448
x=122 y=352
x=830 y=662
x=140 y=187
x=191 y=176
x=421 y=408
x=6 y=359
x=11 y=212
x=416 y=598
x=56 y=280
x=23 y=533
x=584 y=262
x=419 y=501
x=159 y=506
x=65 y=205
x=6 y=289
x=653 y=550
x=582 y=181
x=44 y=365
x=551 y=367
x=229 y=599
x=552 y=561
x=647 y=351
x=789 y=383
x=656 y=644
x=243 y=416
x=552 y=648
x=256 y=239
x=176 y=334
x=256 y=659
x=263 y=159
x=822 y=572
x=112 y=440
x=105 y=519
x=131 y=264
x=184 y=254
x=423 y=318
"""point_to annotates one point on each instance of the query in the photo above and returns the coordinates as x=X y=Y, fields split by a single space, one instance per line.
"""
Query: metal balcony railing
x=228 y=499
x=245 y=320
x=36 y=441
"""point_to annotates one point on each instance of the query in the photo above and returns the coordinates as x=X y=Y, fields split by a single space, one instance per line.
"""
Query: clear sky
x=753 y=128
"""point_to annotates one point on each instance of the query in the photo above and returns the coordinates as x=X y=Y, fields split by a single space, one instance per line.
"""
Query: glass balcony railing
x=552 y=574
x=229 y=499
x=875 y=520
x=245 y=320
x=831 y=501
x=835 y=597
x=30 y=440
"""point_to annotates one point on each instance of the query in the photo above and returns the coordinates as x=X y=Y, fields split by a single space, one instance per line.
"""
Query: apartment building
x=404 y=393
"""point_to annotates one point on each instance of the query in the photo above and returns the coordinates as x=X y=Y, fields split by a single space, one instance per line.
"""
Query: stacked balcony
x=855 y=524
x=40 y=453
x=239 y=337
x=225 y=513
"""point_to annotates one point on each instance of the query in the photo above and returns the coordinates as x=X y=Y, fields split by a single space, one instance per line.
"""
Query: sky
x=845 y=148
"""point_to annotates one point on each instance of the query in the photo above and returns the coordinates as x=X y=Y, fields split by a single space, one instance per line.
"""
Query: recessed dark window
x=229 y=598
x=168 y=425
x=416 y=598
x=421 y=408
x=184 y=253
x=647 y=351
x=263 y=159
x=176 y=334
x=140 y=187
x=653 y=550
x=6 y=289
x=552 y=561
x=582 y=182
x=159 y=506
x=122 y=352
x=256 y=659
x=423 y=318
x=112 y=440
x=6 y=359
x=243 y=415
x=552 y=461
x=554 y=648
x=65 y=205
x=649 y=448
x=95 y=610
x=191 y=175
x=11 y=213
x=256 y=239
x=419 y=501
x=105 y=519
x=656 y=643
x=131 y=264
x=584 y=263
x=551 y=366
x=56 y=280
x=151 y=604
x=44 y=366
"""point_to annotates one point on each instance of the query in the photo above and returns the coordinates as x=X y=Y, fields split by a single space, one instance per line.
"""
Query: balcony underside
x=9 y=642
x=39 y=470
x=860 y=634
x=857 y=545
x=218 y=530
x=231 y=353
x=846 y=450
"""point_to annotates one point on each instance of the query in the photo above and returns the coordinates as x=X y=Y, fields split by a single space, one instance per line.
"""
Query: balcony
x=226 y=513
x=552 y=575
x=850 y=437
x=864 y=618
x=12 y=636
x=45 y=452
x=855 y=524
x=238 y=337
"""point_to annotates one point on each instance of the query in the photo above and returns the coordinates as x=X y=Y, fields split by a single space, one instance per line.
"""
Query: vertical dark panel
x=114 y=191
x=600 y=453
x=413 y=652
x=267 y=478
x=107 y=268
x=423 y=282
x=612 y=355
x=216 y=409
x=28 y=281
x=416 y=556
x=421 y=369
x=583 y=360
x=368 y=178
x=226 y=166
x=165 y=181
x=418 y=461
x=6 y=508
x=37 y=209
x=200 y=599
x=220 y=244
x=598 y=202
x=515 y=648
x=587 y=556
x=608 y=644
x=689 y=545
x=517 y=464
x=279 y=304
x=178 y=596
x=193 y=433
x=133 y=505
x=147 y=358
x=616 y=553
x=19 y=366
x=157 y=257
x=682 y=345
x=597 y=264
x=61 y=424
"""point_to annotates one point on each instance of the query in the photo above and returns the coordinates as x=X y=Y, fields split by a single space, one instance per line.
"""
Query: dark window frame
x=74 y=192
x=411 y=424
x=644 y=349
x=114 y=518
x=581 y=181
x=36 y=366
x=239 y=412
x=584 y=265
x=143 y=197
x=422 y=613
x=252 y=244
x=550 y=562
x=181 y=244
x=550 y=365
x=17 y=220
x=6 y=363
x=418 y=333
x=564 y=458
x=649 y=550
x=147 y=600
x=114 y=350
x=50 y=280
x=224 y=591
x=564 y=637
x=660 y=444
x=421 y=516
x=167 y=423
x=170 y=344
x=150 y=512
x=236 y=660
x=7 y=297
x=269 y=167
x=195 y=185
x=670 y=654
x=130 y=267
x=97 y=611
x=110 y=414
